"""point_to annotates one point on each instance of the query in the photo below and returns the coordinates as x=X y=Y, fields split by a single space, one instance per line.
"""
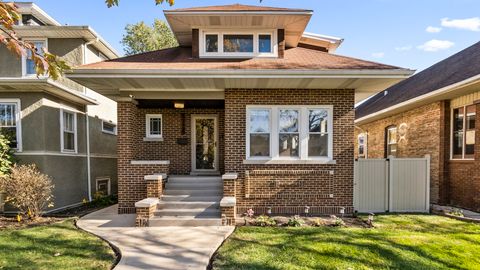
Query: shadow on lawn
x=43 y=243
x=370 y=248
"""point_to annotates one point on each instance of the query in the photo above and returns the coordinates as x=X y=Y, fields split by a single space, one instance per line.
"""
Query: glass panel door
x=205 y=143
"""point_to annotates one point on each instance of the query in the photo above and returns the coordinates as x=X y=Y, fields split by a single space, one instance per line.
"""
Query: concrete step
x=187 y=205
x=189 y=198
x=184 y=221
x=199 y=186
x=194 y=192
x=196 y=213
x=181 y=178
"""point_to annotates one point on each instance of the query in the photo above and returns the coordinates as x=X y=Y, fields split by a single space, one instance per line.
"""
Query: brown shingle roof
x=236 y=7
x=456 y=68
x=180 y=58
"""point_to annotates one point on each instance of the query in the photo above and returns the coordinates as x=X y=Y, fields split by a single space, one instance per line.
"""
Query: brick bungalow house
x=434 y=112
x=247 y=95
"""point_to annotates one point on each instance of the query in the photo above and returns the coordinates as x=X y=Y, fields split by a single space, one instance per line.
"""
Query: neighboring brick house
x=432 y=113
x=65 y=129
x=248 y=95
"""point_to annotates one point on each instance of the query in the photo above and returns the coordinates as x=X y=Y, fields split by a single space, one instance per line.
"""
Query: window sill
x=462 y=160
x=109 y=133
x=289 y=161
x=148 y=139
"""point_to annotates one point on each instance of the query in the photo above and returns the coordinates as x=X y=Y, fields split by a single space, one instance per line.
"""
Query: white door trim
x=194 y=142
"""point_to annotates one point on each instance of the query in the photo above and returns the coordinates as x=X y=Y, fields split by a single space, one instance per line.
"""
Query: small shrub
x=6 y=156
x=27 y=189
x=295 y=221
x=337 y=222
x=100 y=200
x=265 y=221
x=457 y=212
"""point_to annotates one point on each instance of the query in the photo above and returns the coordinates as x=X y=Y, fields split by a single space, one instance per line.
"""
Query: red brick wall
x=424 y=133
x=289 y=188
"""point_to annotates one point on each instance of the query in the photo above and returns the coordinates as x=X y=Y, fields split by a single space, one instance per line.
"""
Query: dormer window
x=238 y=44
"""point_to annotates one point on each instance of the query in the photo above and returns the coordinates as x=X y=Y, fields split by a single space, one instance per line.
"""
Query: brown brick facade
x=288 y=188
x=421 y=136
x=131 y=146
x=453 y=182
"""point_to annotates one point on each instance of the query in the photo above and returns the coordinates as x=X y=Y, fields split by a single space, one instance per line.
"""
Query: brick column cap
x=155 y=177
x=230 y=176
x=148 y=202
x=228 y=202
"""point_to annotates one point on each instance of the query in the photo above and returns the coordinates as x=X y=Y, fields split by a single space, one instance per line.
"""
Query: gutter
x=233 y=73
x=434 y=94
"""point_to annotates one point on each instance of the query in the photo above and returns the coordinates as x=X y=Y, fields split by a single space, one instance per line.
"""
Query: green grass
x=397 y=242
x=35 y=248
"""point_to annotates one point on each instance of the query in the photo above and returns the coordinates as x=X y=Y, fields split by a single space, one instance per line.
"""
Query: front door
x=204 y=143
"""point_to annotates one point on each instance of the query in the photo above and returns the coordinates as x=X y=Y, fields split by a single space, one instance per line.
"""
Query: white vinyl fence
x=392 y=185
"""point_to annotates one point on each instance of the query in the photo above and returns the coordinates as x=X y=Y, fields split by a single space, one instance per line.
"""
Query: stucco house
x=435 y=112
x=67 y=130
x=248 y=112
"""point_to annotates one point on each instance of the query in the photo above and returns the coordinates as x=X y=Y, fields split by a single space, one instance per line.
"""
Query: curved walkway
x=155 y=247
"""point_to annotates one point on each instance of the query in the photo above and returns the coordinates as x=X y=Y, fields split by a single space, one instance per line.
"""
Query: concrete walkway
x=155 y=247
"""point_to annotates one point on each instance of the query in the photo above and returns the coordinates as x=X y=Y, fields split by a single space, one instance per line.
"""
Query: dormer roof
x=237 y=16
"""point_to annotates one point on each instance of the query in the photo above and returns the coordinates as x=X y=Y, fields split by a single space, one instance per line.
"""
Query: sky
x=411 y=34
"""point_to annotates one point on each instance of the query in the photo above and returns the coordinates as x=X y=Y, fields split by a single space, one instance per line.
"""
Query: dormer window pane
x=265 y=43
x=211 y=43
x=238 y=43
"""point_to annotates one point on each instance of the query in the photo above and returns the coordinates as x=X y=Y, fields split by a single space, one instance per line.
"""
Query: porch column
x=228 y=203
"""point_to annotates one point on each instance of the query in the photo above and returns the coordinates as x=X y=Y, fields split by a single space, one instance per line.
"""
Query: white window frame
x=24 y=57
x=147 y=126
x=75 y=133
x=18 y=116
x=365 y=145
x=303 y=130
x=108 y=131
x=387 y=138
x=222 y=54
x=109 y=187
x=464 y=132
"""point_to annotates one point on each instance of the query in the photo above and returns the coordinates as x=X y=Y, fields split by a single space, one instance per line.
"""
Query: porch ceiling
x=150 y=87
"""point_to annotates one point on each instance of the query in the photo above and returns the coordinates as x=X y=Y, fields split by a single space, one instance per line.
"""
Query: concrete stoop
x=190 y=201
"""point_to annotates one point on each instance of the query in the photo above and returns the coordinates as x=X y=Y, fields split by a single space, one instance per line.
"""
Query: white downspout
x=87 y=123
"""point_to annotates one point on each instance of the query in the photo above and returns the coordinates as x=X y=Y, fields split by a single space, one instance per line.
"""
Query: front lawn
x=54 y=246
x=396 y=242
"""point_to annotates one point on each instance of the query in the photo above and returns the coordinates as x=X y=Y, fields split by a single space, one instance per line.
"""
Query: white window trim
x=147 y=126
x=63 y=150
x=107 y=131
x=18 y=115
x=388 y=137
x=109 y=187
x=24 y=57
x=464 y=132
x=222 y=54
x=365 y=145
x=303 y=130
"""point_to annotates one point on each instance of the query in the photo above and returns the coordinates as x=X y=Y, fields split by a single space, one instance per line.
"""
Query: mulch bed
x=12 y=222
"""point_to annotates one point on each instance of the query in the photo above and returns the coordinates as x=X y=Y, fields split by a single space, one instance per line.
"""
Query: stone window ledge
x=146 y=139
x=289 y=161
x=150 y=162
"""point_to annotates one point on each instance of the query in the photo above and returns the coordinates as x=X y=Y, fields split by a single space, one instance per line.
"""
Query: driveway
x=155 y=247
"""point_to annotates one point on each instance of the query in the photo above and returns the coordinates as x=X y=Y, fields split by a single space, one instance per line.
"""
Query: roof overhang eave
x=434 y=95
x=236 y=73
x=216 y=13
x=56 y=89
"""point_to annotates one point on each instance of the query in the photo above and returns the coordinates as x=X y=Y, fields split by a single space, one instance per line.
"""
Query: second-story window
x=265 y=43
x=238 y=43
x=68 y=122
x=29 y=63
x=211 y=43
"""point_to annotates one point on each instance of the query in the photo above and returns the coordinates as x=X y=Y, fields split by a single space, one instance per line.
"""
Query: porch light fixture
x=179 y=105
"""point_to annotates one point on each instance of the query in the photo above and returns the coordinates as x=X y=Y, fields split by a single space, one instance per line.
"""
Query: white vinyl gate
x=392 y=185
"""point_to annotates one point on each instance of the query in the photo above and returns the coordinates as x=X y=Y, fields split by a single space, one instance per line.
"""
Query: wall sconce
x=179 y=105
x=269 y=211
